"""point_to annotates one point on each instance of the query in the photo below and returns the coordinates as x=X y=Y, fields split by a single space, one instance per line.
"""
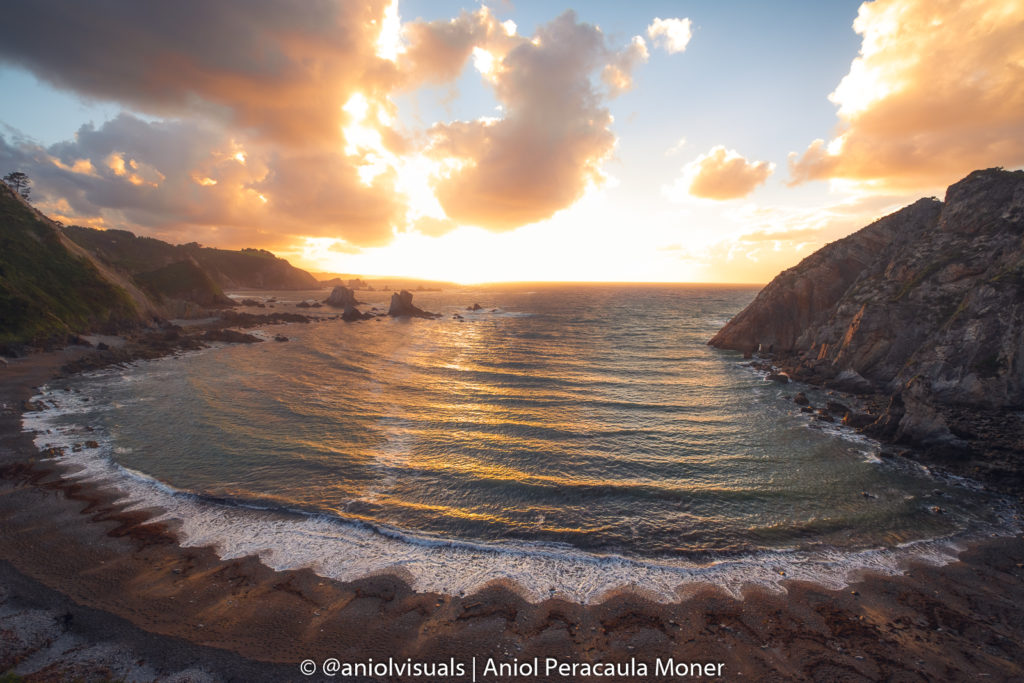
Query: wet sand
x=88 y=590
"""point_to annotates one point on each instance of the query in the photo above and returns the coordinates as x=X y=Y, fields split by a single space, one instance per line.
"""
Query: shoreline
x=70 y=542
x=228 y=526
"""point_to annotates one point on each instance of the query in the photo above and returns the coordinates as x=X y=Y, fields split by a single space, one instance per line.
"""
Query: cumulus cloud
x=438 y=50
x=555 y=133
x=672 y=35
x=272 y=121
x=721 y=174
x=185 y=181
x=935 y=93
x=617 y=74
x=279 y=69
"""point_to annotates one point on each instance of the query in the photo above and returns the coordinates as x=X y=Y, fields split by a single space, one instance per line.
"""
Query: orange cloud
x=935 y=92
x=618 y=73
x=181 y=181
x=550 y=144
x=278 y=122
x=438 y=50
x=721 y=174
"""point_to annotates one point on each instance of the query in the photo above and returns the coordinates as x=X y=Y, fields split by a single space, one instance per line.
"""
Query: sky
x=507 y=141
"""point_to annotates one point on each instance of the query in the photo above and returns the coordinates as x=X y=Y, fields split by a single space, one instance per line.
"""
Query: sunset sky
x=643 y=141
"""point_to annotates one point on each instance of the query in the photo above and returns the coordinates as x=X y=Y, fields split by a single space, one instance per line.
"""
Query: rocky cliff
x=925 y=306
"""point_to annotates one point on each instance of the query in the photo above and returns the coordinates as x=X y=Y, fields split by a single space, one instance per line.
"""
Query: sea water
x=569 y=439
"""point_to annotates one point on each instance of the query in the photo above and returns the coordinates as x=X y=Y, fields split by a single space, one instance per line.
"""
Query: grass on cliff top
x=47 y=292
x=182 y=280
x=136 y=254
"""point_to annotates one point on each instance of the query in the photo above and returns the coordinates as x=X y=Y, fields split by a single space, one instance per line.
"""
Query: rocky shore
x=90 y=590
x=922 y=314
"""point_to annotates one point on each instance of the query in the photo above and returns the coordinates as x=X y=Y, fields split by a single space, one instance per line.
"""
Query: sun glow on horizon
x=514 y=141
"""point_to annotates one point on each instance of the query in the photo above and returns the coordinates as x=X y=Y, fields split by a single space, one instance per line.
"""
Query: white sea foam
x=347 y=550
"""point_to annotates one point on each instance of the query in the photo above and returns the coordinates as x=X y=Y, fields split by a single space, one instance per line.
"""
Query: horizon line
x=540 y=282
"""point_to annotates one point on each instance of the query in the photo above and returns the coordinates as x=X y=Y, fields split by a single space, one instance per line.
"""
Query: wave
x=286 y=537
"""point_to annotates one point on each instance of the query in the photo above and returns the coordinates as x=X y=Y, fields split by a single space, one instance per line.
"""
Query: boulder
x=778 y=377
x=801 y=399
x=474 y=307
x=836 y=408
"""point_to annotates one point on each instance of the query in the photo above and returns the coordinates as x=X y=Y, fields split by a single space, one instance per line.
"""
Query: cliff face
x=932 y=295
x=924 y=311
x=804 y=296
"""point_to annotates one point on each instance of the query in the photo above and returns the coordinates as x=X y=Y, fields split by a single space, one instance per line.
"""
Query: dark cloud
x=280 y=69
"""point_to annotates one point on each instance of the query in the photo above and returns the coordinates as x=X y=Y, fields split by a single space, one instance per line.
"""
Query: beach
x=77 y=568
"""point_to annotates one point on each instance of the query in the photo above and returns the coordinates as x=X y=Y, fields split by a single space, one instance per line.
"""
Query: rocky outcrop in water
x=402 y=306
x=343 y=297
x=925 y=307
x=340 y=297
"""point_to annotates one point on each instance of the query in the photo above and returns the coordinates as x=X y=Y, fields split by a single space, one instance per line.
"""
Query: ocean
x=569 y=440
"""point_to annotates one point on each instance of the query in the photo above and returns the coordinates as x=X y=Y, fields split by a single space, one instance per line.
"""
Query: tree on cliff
x=19 y=182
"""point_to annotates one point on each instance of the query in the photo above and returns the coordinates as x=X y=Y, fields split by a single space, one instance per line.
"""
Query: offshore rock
x=402 y=306
x=341 y=297
x=352 y=314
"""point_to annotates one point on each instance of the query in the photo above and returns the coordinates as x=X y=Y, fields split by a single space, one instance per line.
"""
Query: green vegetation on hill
x=245 y=269
x=183 y=280
x=48 y=293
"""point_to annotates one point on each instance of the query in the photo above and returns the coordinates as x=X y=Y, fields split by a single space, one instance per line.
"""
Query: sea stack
x=402 y=307
x=341 y=297
x=345 y=298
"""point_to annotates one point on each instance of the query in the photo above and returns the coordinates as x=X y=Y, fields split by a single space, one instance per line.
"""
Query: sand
x=89 y=591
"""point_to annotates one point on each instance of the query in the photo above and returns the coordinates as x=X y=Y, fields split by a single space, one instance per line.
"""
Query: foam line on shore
x=349 y=550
